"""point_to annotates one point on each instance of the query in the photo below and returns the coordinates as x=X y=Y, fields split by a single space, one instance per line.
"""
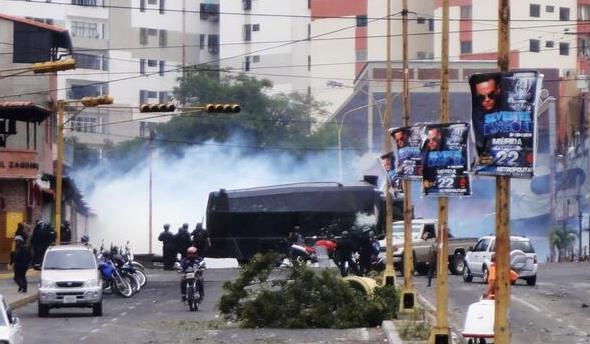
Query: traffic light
x=223 y=108
x=94 y=101
x=53 y=66
x=157 y=107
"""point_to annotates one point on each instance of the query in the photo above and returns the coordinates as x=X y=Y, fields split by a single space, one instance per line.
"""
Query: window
x=247 y=4
x=256 y=59
x=256 y=27
x=583 y=47
x=153 y=2
x=247 y=64
x=213 y=44
x=145 y=96
x=466 y=12
x=549 y=9
x=202 y=41
x=84 y=2
x=164 y=97
x=84 y=124
x=361 y=55
x=421 y=55
x=584 y=12
x=88 y=61
x=85 y=30
x=163 y=38
x=564 y=13
x=466 y=47
x=143 y=36
x=430 y=24
x=81 y=89
x=162 y=68
x=209 y=10
x=549 y=44
x=152 y=32
x=421 y=20
x=247 y=32
x=142 y=5
x=361 y=21
x=564 y=49
x=105 y=62
x=152 y=63
x=534 y=45
x=535 y=10
x=162 y=6
x=142 y=66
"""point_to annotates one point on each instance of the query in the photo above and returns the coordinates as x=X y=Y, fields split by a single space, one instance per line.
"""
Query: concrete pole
x=151 y=147
x=502 y=288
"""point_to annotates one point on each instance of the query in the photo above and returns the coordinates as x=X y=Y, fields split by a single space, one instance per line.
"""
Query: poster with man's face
x=388 y=162
x=406 y=143
x=503 y=118
x=445 y=160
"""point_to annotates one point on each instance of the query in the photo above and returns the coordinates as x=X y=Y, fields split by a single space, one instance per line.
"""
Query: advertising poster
x=407 y=142
x=388 y=162
x=503 y=118
x=445 y=160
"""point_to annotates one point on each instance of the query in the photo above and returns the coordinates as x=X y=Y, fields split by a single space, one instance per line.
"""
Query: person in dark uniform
x=20 y=259
x=343 y=254
x=66 y=233
x=182 y=240
x=168 y=247
x=201 y=239
x=43 y=236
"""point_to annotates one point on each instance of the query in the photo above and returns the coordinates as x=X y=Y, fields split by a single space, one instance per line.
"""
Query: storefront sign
x=18 y=164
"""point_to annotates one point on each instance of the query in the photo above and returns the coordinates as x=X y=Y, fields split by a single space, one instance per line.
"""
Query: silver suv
x=523 y=259
x=70 y=278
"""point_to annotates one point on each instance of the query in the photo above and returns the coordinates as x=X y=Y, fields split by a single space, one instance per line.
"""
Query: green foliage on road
x=303 y=299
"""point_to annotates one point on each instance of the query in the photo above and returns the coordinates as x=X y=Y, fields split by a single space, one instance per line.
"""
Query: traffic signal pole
x=502 y=287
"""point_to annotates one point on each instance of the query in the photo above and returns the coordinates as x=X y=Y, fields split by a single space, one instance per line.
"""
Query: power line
x=278 y=15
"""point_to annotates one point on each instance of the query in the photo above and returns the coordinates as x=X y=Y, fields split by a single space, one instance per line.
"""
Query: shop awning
x=26 y=111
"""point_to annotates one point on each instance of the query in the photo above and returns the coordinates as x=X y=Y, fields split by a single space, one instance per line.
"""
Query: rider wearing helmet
x=191 y=259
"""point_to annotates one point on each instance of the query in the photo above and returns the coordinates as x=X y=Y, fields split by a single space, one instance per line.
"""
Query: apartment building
x=133 y=50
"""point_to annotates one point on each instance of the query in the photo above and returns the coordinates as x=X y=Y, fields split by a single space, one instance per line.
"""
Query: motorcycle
x=193 y=277
x=302 y=254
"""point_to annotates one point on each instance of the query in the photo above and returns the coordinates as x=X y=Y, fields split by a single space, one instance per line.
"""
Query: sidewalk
x=9 y=289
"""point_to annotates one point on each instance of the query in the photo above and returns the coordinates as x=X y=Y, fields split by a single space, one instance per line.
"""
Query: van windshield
x=69 y=260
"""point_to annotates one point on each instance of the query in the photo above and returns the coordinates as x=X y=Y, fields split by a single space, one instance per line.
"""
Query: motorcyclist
x=190 y=260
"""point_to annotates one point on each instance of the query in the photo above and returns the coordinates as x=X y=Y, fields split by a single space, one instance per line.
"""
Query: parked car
x=457 y=247
x=11 y=331
x=70 y=278
x=523 y=259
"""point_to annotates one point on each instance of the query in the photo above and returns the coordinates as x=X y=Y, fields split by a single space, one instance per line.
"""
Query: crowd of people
x=30 y=244
x=181 y=241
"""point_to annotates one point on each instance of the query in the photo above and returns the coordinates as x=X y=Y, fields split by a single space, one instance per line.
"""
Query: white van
x=70 y=278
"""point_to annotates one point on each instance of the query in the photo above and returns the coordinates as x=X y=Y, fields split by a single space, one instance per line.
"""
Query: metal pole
x=389 y=274
x=408 y=303
x=59 y=169
x=152 y=135
x=502 y=288
x=441 y=332
x=339 y=132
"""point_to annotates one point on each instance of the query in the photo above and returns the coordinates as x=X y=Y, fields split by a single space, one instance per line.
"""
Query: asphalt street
x=157 y=315
x=556 y=310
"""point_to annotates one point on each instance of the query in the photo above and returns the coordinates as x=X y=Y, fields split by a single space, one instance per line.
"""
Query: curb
x=23 y=301
x=391 y=332
x=456 y=336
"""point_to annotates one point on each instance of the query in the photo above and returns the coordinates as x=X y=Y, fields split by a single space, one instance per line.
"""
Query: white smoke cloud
x=181 y=187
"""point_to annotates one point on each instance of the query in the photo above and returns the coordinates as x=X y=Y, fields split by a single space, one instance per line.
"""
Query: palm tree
x=562 y=239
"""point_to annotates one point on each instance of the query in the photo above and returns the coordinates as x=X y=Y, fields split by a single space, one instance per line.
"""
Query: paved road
x=556 y=310
x=156 y=315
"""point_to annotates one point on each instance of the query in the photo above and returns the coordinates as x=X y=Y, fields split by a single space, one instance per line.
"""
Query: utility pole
x=441 y=332
x=407 y=304
x=151 y=147
x=59 y=169
x=389 y=274
x=502 y=288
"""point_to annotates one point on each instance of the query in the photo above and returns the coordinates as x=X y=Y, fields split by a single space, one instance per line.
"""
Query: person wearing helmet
x=343 y=254
x=182 y=240
x=168 y=247
x=20 y=259
x=192 y=258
